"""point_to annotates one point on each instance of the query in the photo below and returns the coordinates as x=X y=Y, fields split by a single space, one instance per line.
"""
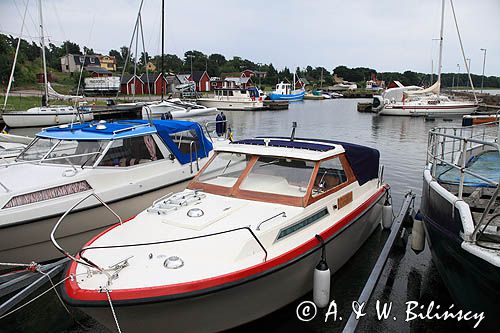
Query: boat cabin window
x=330 y=175
x=187 y=141
x=37 y=150
x=224 y=92
x=132 y=151
x=279 y=175
x=76 y=152
x=230 y=93
x=225 y=169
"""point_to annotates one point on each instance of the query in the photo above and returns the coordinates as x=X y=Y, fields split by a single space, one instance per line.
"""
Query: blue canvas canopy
x=131 y=128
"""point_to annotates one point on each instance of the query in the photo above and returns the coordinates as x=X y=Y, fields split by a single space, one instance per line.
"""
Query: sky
x=387 y=35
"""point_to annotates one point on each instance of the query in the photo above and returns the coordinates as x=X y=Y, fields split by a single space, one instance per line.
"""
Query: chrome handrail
x=214 y=122
x=84 y=261
x=191 y=156
x=80 y=253
x=282 y=214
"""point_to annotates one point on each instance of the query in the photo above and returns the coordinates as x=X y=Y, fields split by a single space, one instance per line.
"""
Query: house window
x=92 y=60
x=82 y=59
x=330 y=175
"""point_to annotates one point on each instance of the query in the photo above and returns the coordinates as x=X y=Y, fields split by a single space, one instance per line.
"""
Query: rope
x=37 y=297
x=33 y=266
x=61 y=301
x=113 y=311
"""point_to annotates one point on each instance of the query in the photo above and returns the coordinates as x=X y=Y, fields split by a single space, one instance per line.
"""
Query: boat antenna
x=294 y=126
x=42 y=40
x=162 y=46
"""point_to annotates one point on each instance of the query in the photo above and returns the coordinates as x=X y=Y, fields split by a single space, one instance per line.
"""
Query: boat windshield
x=262 y=174
x=225 y=169
x=277 y=175
x=66 y=152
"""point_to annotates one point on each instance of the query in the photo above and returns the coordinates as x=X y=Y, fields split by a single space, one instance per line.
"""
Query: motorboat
x=234 y=99
x=284 y=91
x=11 y=146
x=342 y=86
x=125 y=164
x=460 y=208
x=430 y=101
x=46 y=116
x=240 y=242
x=175 y=108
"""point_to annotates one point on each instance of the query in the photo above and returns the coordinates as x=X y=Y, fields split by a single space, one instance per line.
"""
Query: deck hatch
x=302 y=223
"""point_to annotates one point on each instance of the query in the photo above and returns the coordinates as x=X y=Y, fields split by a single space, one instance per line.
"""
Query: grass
x=22 y=103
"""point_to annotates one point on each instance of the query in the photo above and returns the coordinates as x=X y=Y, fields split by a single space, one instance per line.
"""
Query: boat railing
x=454 y=146
x=282 y=214
x=211 y=127
x=67 y=157
x=191 y=145
x=81 y=259
x=78 y=258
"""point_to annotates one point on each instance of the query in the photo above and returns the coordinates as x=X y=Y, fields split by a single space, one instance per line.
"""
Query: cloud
x=390 y=35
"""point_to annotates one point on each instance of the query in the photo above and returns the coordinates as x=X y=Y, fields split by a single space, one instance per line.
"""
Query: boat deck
x=477 y=194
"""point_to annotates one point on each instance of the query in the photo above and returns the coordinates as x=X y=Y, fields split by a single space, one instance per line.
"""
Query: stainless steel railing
x=450 y=146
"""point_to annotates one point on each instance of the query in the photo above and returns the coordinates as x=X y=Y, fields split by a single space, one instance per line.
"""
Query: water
x=407 y=277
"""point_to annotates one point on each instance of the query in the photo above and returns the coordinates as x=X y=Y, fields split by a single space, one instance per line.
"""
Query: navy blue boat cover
x=364 y=160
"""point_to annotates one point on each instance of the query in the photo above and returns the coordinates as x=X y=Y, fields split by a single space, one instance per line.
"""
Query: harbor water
x=407 y=276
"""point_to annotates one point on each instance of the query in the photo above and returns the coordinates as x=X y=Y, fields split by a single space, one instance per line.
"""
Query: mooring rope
x=37 y=297
x=113 y=311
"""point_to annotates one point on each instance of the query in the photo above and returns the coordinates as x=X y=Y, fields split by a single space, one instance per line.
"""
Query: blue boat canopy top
x=364 y=161
x=107 y=131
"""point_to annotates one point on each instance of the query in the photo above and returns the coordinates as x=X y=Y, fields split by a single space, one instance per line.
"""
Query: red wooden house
x=202 y=80
x=128 y=85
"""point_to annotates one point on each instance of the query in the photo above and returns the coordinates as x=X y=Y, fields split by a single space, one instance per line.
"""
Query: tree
x=71 y=48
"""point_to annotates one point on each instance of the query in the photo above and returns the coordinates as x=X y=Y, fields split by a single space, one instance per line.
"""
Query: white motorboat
x=234 y=99
x=175 y=108
x=11 y=146
x=127 y=164
x=344 y=86
x=429 y=101
x=240 y=242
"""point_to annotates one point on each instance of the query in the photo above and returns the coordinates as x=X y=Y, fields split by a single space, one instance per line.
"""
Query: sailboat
x=285 y=91
x=430 y=101
x=45 y=115
x=172 y=108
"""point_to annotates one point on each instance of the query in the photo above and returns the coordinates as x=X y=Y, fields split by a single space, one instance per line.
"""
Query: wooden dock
x=275 y=105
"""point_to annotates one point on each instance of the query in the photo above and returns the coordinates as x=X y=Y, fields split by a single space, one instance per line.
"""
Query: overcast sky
x=387 y=35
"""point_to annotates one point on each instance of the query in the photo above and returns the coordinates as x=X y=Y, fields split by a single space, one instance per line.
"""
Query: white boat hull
x=427 y=110
x=45 y=118
x=242 y=301
x=159 y=110
x=231 y=105
x=28 y=241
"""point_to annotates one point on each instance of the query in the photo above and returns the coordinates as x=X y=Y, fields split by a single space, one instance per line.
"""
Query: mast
x=42 y=40
x=162 y=45
x=440 y=46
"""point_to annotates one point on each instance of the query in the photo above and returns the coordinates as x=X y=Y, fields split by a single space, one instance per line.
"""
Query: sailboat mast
x=162 y=45
x=440 y=47
x=42 y=40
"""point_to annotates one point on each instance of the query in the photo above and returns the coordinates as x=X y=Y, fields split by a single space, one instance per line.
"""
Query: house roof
x=173 y=79
x=197 y=75
x=97 y=69
x=151 y=77
x=127 y=77
x=77 y=57
x=183 y=78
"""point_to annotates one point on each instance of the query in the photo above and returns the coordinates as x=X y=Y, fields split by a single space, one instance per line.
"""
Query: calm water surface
x=407 y=276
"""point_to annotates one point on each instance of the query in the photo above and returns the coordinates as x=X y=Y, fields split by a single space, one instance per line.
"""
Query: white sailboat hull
x=50 y=116
x=428 y=110
x=177 y=111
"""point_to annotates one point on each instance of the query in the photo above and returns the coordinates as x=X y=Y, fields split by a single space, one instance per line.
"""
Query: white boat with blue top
x=126 y=164
x=284 y=92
